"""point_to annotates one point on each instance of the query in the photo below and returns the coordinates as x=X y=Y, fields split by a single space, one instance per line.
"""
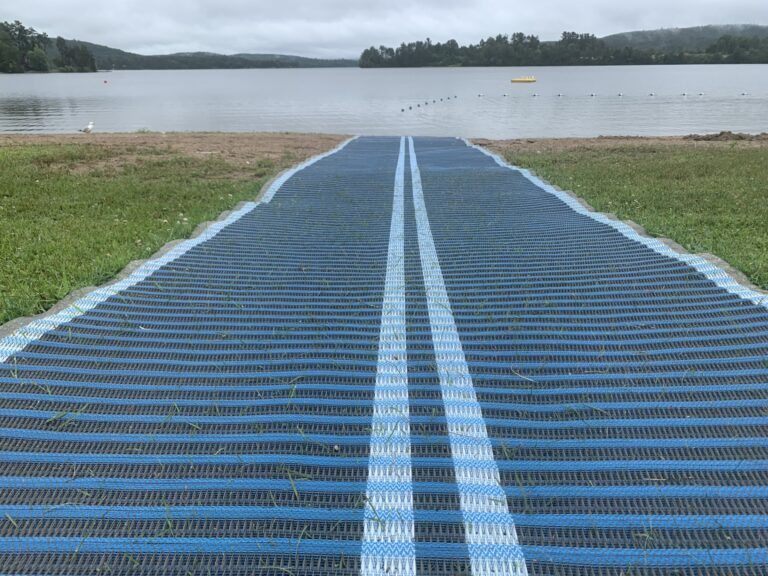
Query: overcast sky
x=345 y=27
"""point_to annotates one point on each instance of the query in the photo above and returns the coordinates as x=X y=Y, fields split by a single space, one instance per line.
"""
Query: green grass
x=708 y=199
x=73 y=215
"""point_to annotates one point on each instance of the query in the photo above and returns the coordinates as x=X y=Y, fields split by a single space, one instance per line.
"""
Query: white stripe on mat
x=388 y=543
x=493 y=546
x=37 y=328
x=714 y=273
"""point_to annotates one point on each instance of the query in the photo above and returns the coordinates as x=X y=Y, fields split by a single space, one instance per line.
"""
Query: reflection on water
x=643 y=100
x=38 y=113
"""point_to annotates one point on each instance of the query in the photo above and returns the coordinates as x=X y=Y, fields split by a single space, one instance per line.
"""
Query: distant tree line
x=25 y=49
x=739 y=50
x=572 y=49
x=110 y=58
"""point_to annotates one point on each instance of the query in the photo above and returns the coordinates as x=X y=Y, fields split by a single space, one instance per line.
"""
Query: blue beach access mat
x=406 y=359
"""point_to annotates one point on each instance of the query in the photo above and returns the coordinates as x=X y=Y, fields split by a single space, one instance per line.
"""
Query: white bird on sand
x=88 y=129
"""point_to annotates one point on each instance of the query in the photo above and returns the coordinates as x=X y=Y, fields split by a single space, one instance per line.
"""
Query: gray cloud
x=345 y=27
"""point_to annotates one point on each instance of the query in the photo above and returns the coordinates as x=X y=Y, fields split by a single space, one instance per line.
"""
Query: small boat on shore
x=523 y=80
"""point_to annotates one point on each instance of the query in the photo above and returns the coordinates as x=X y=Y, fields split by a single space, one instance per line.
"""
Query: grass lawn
x=708 y=197
x=74 y=213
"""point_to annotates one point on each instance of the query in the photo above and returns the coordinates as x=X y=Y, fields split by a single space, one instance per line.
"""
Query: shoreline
x=536 y=145
x=236 y=147
x=233 y=145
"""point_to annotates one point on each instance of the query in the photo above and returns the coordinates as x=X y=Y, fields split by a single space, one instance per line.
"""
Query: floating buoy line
x=427 y=102
x=650 y=94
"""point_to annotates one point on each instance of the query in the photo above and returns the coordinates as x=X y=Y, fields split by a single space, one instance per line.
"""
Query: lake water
x=356 y=101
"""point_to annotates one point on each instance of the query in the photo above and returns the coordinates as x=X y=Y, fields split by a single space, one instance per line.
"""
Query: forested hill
x=111 y=58
x=572 y=49
x=24 y=49
x=695 y=39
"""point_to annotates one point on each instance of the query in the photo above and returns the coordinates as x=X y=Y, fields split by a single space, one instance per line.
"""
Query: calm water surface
x=355 y=101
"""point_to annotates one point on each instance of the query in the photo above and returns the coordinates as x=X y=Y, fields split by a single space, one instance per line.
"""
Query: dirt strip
x=528 y=145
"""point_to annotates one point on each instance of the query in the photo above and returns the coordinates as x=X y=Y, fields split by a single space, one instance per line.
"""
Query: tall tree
x=74 y=56
x=37 y=61
x=10 y=59
x=25 y=41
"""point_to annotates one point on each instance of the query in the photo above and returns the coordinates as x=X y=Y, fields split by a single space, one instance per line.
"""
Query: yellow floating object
x=523 y=79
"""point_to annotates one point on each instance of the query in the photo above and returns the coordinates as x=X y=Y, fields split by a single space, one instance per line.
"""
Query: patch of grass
x=73 y=215
x=708 y=199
